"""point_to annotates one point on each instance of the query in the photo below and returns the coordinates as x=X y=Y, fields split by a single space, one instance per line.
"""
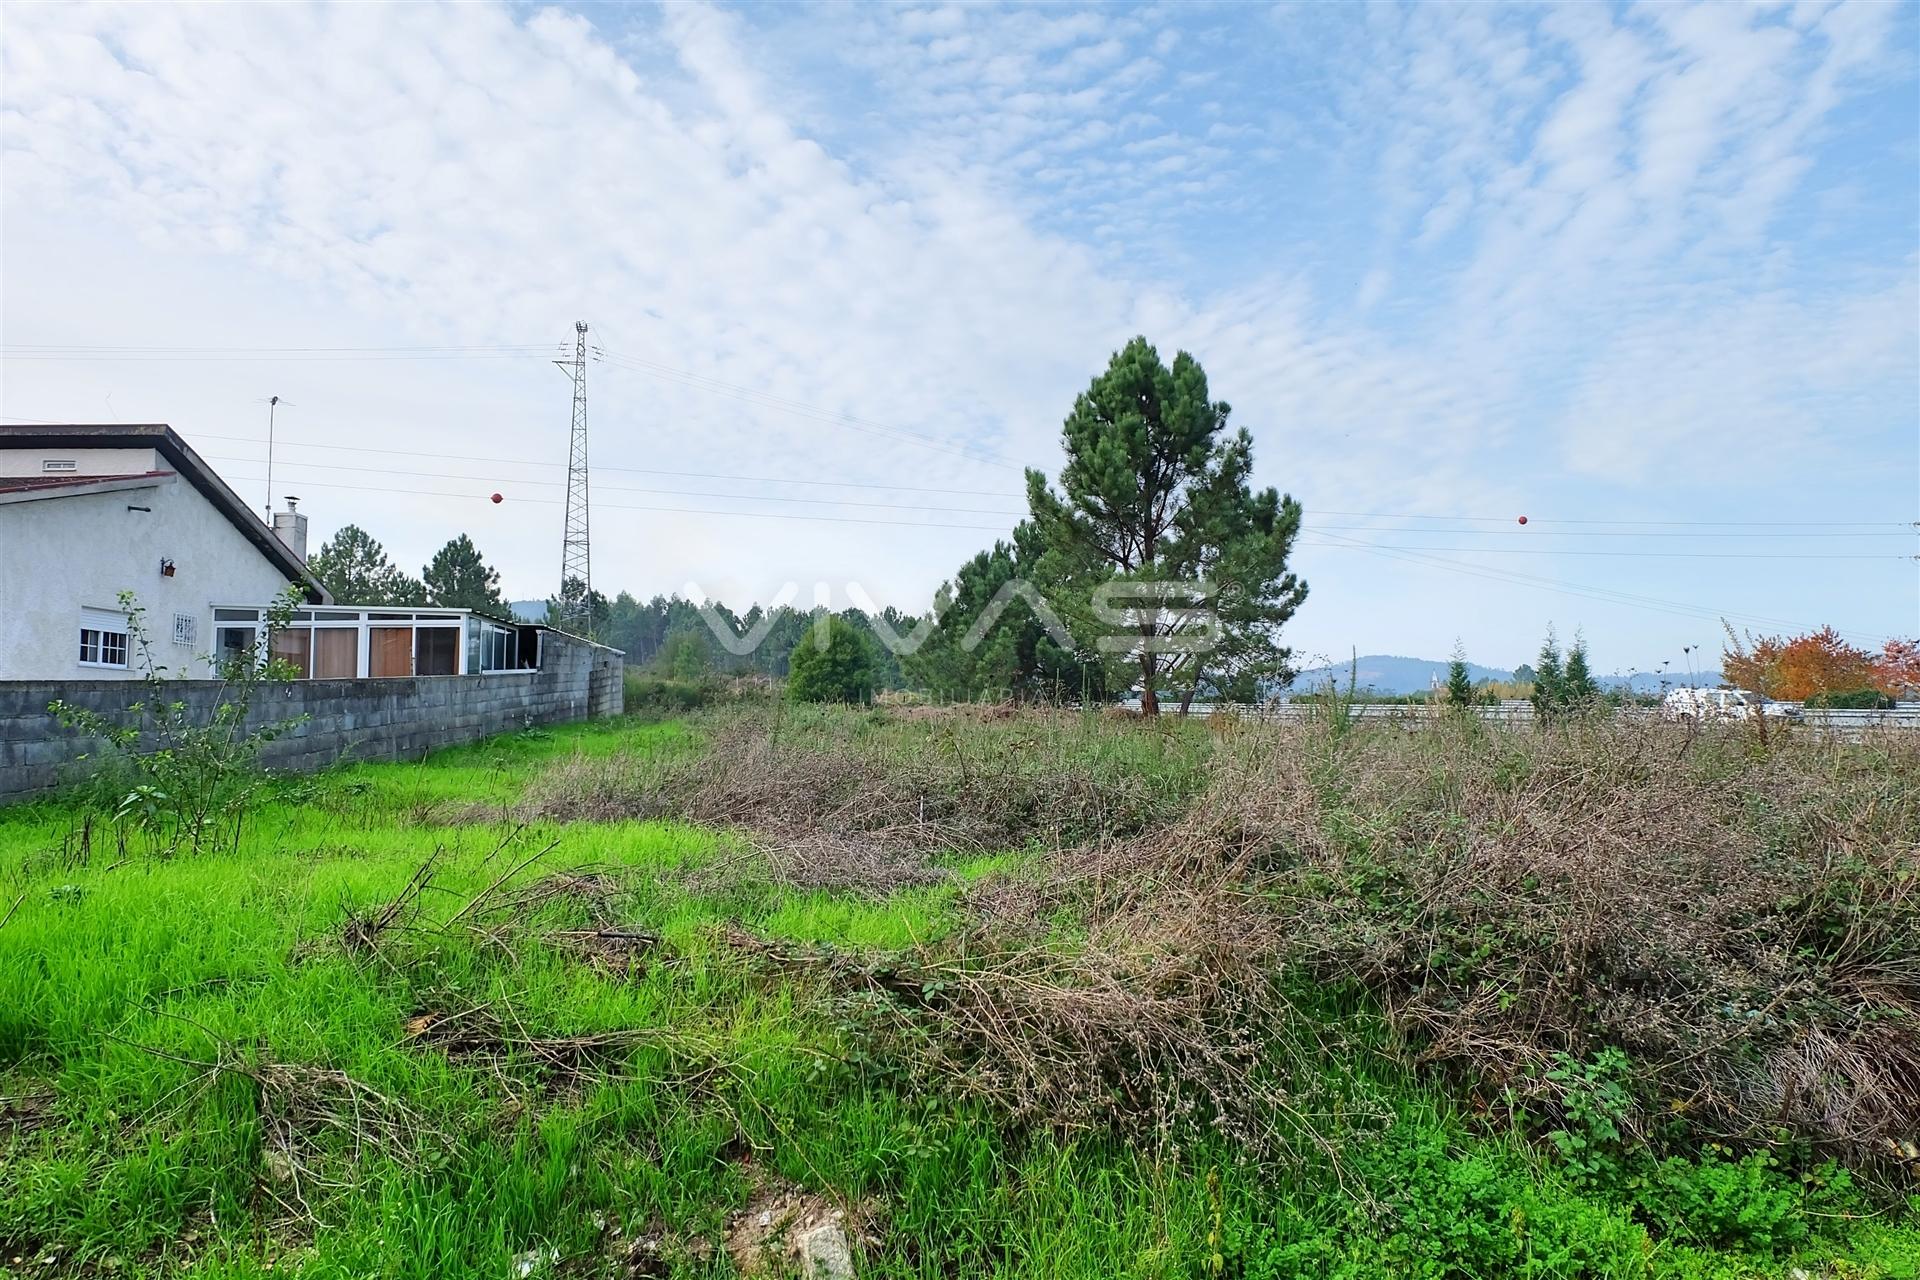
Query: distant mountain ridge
x=1389 y=673
x=1393 y=674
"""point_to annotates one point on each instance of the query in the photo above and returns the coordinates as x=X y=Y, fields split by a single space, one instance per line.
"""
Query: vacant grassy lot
x=1023 y=996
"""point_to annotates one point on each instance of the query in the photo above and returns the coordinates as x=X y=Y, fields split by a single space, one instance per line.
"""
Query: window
x=234 y=645
x=436 y=651
x=336 y=653
x=103 y=641
x=51 y=465
x=391 y=653
x=295 y=648
x=491 y=647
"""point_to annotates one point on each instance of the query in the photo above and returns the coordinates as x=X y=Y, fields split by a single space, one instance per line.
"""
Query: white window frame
x=363 y=621
x=102 y=624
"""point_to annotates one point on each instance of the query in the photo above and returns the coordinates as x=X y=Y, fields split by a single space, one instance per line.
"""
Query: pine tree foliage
x=459 y=578
x=355 y=570
x=1156 y=498
x=1459 y=682
x=1549 y=679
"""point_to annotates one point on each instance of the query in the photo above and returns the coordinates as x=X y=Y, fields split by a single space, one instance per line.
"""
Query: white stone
x=825 y=1253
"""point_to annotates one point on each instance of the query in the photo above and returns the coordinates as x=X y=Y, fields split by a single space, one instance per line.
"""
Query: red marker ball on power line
x=497 y=498
x=1523 y=519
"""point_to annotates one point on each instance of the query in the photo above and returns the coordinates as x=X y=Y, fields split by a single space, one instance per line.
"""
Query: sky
x=1647 y=275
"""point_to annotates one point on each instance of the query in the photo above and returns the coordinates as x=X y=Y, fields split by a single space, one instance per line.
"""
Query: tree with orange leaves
x=1819 y=662
x=1898 y=670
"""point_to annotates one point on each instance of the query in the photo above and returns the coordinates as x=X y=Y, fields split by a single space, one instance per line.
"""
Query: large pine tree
x=1157 y=525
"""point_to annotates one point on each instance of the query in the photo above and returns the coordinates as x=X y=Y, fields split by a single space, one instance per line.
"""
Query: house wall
x=15 y=461
x=393 y=719
x=60 y=555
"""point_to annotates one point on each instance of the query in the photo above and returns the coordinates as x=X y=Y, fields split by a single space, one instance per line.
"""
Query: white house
x=89 y=512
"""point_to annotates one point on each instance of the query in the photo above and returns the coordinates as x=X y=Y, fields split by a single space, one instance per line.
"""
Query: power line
x=598 y=466
x=691 y=511
x=1897 y=531
x=1668 y=555
x=76 y=348
x=800 y=408
x=620 y=488
x=293 y=354
x=989 y=511
x=1388 y=515
x=995 y=511
x=770 y=400
x=917 y=524
x=1808 y=529
x=1605 y=595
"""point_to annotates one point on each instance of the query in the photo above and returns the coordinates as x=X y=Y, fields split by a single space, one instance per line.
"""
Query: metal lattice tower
x=576 y=554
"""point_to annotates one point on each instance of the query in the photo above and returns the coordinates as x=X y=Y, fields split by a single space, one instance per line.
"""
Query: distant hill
x=1388 y=673
x=1650 y=681
x=529 y=610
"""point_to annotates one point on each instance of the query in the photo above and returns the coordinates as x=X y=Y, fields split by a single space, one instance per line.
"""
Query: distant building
x=87 y=512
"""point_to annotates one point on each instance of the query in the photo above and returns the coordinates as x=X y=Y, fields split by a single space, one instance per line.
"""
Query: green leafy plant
x=1596 y=1101
x=840 y=670
x=1851 y=700
x=189 y=777
x=1723 y=1201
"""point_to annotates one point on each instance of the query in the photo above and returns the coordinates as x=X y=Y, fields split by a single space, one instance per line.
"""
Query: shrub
x=1741 y=927
x=1852 y=700
x=182 y=781
x=841 y=670
x=658 y=695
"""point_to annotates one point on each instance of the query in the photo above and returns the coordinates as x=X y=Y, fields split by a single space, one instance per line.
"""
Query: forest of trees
x=669 y=636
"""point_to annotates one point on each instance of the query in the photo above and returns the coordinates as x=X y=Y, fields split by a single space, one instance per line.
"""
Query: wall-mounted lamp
x=166 y=567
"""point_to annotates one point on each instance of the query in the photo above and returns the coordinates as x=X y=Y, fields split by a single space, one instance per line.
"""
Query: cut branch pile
x=1160 y=1039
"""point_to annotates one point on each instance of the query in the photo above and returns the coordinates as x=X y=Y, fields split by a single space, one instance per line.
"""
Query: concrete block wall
x=393 y=719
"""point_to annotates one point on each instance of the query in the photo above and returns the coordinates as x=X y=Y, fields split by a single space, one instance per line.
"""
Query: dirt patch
x=770 y=1236
x=27 y=1109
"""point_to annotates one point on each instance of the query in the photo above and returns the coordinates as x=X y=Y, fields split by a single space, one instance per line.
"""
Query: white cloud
x=1576 y=254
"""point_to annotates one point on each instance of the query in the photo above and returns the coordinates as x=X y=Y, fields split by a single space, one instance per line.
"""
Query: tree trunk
x=1149 y=700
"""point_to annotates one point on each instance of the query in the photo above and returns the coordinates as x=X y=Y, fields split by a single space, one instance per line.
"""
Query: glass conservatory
x=343 y=643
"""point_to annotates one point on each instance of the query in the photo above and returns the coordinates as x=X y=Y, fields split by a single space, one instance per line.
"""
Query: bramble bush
x=181 y=780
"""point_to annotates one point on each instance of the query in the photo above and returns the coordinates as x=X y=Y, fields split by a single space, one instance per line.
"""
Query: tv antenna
x=273 y=402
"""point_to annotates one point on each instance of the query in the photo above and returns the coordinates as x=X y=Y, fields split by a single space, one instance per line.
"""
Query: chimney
x=291 y=528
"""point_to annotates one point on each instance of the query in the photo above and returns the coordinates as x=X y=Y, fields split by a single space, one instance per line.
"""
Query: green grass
x=120 y=972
